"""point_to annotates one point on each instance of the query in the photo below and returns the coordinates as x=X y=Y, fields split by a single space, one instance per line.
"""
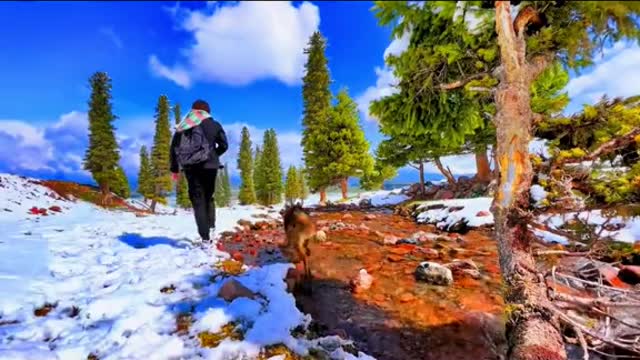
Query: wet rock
x=233 y=289
x=363 y=227
x=347 y=216
x=370 y=217
x=434 y=273
x=390 y=240
x=630 y=274
x=321 y=236
x=483 y=213
x=362 y=281
x=365 y=203
x=455 y=208
x=459 y=227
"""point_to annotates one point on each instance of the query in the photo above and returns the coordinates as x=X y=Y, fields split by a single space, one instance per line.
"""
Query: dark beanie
x=201 y=105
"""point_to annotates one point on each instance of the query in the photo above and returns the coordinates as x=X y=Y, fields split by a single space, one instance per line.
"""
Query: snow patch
x=443 y=217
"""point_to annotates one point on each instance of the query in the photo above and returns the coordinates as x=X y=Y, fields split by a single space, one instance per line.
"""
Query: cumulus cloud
x=385 y=80
x=112 y=36
x=616 y=73
x=243 y=42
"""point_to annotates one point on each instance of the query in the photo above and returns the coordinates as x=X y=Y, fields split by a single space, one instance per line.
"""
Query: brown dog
x=299 y=229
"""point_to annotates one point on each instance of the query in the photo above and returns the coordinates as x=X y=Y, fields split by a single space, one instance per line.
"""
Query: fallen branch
x=589 y=303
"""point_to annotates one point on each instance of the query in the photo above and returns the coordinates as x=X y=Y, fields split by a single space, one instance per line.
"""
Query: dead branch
x=592 y=283
x=562 y=252
x=583 y=344
x=460 y=83
x=527 y=16
x=589 y=303
x=608 y=147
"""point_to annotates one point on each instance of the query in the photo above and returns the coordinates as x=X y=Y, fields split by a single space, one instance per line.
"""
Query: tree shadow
x=138 y=241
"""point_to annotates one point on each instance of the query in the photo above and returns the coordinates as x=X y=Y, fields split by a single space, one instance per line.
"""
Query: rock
x=347 y=216
x=475 y=274
x=433 y=207
x=321 y=236
x=630 y=274
x=363 y=227
x=364 y=203
x=444 y=195
x=459 y=227
x=459 y=265
x=434 y=273
x=430 y=254
x=395 y=258
x=362 y=281
x=407 y=297
x=244 y=223
x=489 y=325
x=455 y=208
x=407 y=242
x=431 y=191
x=233 y=289
x=390 y=240
x=55 y=208
x=237 y=256
x=423 y=236
x=483 y=213
x=370 y=217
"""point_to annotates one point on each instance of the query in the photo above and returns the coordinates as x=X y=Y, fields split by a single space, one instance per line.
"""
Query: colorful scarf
x=193 y=119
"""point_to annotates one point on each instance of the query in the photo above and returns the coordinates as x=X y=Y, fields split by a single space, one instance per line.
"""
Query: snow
x=381 y=197
x=443 y=218
x=538 y=193
x=103 y=271
x=629 y=231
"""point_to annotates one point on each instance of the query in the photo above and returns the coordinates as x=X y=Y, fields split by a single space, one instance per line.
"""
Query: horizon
x=174 y=48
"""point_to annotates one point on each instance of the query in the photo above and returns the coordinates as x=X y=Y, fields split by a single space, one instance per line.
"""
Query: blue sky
x=244 y=58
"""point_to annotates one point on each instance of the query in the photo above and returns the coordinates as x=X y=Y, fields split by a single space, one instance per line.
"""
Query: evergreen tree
x=349 y=153
x=102 y=155
x=145 y=187
x=161 y=178
x=510 y=52
x=302 y=185
x=317 y=108
x=258 y=172
x=270 y=187
x=218 y=195
x=226 y=186
x=121 y=185
x=292 y=186
x=182 y=191
x=247 y=193
x=374 y=179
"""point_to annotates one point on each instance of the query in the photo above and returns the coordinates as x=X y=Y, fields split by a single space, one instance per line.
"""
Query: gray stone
x=434 y=273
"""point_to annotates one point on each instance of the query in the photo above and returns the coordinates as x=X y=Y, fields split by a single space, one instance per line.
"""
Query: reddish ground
x=398 y=317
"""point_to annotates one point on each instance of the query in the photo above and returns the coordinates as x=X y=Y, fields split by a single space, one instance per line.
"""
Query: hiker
x=196 y=147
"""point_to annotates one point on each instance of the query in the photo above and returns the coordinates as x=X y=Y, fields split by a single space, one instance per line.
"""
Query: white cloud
x=386 y=81
x=243 y=42
x=177 y=74
x=112 y=36
x=616 y=73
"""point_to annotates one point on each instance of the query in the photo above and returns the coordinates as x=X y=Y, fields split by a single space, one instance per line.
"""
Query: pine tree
x=102 y=155
x=121 y=185
x=270 y=185
x=144 y=175
x=219 y=195
x=182 y=191
x=302 y=185
x=258 y=172
x=317 y=108
x=247 y=193
x=226 y=187
x=516 y=50
x=349 y=153
x=161 y=178
x=292 y=186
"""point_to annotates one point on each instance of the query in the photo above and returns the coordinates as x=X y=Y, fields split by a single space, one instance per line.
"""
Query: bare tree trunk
x=483 y=170
x=106 y=194
x=445 y=172
x=421 y=170
x=532 y=332
x=494 y=159
x=344 y=186
x=323 y=196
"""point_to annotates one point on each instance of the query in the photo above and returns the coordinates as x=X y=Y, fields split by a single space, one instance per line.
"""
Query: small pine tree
x=218 y=195
x=292 y=186
x=302 y=185
x=247 y=193
x=161 y=178
x=121 y=185
x=102 y=155
x=144 y=175
x=270 y=171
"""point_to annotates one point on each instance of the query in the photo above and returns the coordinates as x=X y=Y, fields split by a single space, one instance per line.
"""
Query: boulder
x=458 y=265
x=459 y=227
x=444 y=194
x=364 y=203
x=233 y=289
x=434 y=273
x=362 y=281
x=390 y=240
x=483 y=213
x=321 y=236
x=370 y=217
x=347 y=216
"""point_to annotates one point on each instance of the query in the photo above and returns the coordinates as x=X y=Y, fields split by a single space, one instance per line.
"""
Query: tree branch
x=610 y=146
x=538 y=64
x=460 y=83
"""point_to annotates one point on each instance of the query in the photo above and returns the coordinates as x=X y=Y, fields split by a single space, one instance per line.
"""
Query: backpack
x=194 y=147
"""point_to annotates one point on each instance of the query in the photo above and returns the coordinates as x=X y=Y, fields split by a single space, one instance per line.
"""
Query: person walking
x=196 y=147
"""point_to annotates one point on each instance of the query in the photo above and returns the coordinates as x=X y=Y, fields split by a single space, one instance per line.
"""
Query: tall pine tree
x=121 y=185
x=182 y=191
x=161 y=178
x=102 y=155
x=302 y=185
x=317 y=108
x=145 y=188
x=226 y=186
x=270 y=187
x=349 y=151
x=247 y=193
x=223 y=189
x=292 y=186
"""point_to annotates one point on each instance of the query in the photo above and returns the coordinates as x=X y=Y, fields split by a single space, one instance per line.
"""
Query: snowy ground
x=109 y=267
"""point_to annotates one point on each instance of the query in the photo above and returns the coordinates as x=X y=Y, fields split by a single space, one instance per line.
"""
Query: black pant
x=202 y=184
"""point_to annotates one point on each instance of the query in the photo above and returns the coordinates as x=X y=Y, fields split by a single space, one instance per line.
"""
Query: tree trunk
x=421 y=170
x=323 y=197
x=153 y=206
x=482 y=165
x=494 y=160
x=532 y=332
x=445 y=172
x=344 y=187
x=106 y=194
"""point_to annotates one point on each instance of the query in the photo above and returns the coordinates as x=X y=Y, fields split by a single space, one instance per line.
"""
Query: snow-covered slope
x=103 y=271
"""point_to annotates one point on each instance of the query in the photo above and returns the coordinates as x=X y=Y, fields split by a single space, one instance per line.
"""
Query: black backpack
x=193 y=148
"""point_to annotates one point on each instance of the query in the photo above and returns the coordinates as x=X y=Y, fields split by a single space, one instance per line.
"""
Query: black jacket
x=215 y=136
